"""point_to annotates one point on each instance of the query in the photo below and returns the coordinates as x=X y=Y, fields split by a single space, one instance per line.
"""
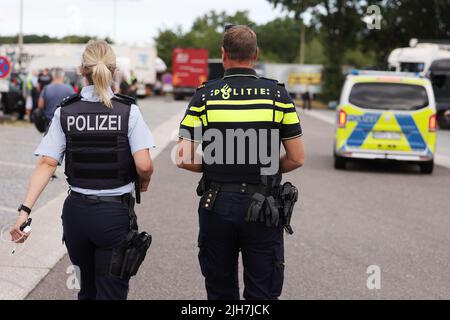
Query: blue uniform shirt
x=52 y=95
x=54 y=142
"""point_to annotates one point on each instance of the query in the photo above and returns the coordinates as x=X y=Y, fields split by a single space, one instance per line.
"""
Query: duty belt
x=208 y=190
x=126 y=198
x=270 y=205
x=240 y=188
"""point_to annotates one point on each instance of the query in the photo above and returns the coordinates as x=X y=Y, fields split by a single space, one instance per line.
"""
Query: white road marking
x=164 y=133
x=6 y=209
x=329 y=117
x=30 y=144
x=17 y=165
x=59 y=170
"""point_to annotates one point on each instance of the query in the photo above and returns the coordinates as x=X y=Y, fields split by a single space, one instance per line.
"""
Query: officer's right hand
x=144 y=185
x=17 y=235
x=144 y=167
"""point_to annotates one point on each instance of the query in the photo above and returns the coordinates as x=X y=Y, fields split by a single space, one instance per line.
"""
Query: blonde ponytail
x=102 y=79
x=98 y=65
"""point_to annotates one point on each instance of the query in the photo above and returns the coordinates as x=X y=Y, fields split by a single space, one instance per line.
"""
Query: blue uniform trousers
x=92 y=229
x=223 y=233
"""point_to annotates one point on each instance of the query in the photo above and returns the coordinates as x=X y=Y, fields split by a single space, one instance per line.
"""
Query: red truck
x=190 y=69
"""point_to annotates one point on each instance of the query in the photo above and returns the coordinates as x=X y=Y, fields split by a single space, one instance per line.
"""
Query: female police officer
x=106 y=144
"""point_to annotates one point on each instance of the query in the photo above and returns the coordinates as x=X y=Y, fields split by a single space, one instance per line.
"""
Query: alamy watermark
x=373 y=17
x=374 y=279
x=238 y=146
x=73 y=280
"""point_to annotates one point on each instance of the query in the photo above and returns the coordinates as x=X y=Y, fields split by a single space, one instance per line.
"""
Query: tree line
x=34 y=38
x=334 y=32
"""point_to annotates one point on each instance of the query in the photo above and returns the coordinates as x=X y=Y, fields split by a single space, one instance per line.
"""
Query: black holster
x=129 y=255
x=275 y=208
x=264 y=208
x=201 y=188
x=288 y=196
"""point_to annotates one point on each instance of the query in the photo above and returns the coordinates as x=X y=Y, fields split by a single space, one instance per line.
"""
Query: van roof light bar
x=356 y=72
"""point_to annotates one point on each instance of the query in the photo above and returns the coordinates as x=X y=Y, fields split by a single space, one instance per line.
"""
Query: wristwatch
x=24 y=208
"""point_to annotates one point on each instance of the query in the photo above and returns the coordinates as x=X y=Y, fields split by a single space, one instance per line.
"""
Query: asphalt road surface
x=385 y=215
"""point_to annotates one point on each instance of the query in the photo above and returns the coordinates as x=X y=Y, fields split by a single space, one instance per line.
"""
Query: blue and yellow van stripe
x=358 y=132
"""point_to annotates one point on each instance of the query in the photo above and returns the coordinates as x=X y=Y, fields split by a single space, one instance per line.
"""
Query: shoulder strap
x=124 y=99
x=273 y=80
x=201 y=86
x=209 y=83
x=70 y=99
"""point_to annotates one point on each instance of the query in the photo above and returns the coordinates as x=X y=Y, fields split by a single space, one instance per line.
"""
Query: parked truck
x=190 y=69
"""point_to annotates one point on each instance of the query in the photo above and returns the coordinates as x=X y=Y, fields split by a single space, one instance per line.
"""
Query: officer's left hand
x=17 y=235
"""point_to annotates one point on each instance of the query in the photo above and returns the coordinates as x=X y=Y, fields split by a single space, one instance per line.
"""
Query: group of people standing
x=45 y=88
x=35 y=89
x=129 y=87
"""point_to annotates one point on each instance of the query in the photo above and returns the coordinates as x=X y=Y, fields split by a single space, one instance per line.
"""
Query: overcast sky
x=137 y=20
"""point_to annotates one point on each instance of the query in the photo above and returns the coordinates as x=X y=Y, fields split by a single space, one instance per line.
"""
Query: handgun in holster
x=201 y=188
x=288 y=198
x=129 y=255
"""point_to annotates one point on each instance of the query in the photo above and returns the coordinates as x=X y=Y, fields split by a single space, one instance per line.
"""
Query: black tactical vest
x=221 y=96
x=98 y=154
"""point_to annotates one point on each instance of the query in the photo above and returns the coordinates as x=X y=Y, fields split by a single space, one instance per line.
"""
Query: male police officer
x=240 y=120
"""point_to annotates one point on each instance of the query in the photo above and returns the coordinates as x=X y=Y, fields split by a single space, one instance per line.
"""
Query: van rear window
x=393 y=96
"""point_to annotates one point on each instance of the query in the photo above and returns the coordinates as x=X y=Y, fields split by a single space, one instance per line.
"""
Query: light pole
x=21 y=34
x=302 y=42
x=298 y=15
x=114 y=27
x=115 y=20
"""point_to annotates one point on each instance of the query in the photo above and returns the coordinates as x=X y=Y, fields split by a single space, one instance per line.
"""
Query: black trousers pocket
x=278 y=274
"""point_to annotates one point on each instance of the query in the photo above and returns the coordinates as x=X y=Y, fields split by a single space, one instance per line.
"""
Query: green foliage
x=332 y=81
x=357 y=58
x=337 y=35
x=403 y=20
x=166 y=41
x=296 y=6
x=34 y=38
x=329 y=42
x=206 y=32
x=314 y=52
x=279 y=40
x=337 y=21
x=75 y=39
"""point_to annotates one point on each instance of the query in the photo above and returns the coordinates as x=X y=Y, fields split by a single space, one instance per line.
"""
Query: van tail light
x=342 y=119
x=432 y=123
